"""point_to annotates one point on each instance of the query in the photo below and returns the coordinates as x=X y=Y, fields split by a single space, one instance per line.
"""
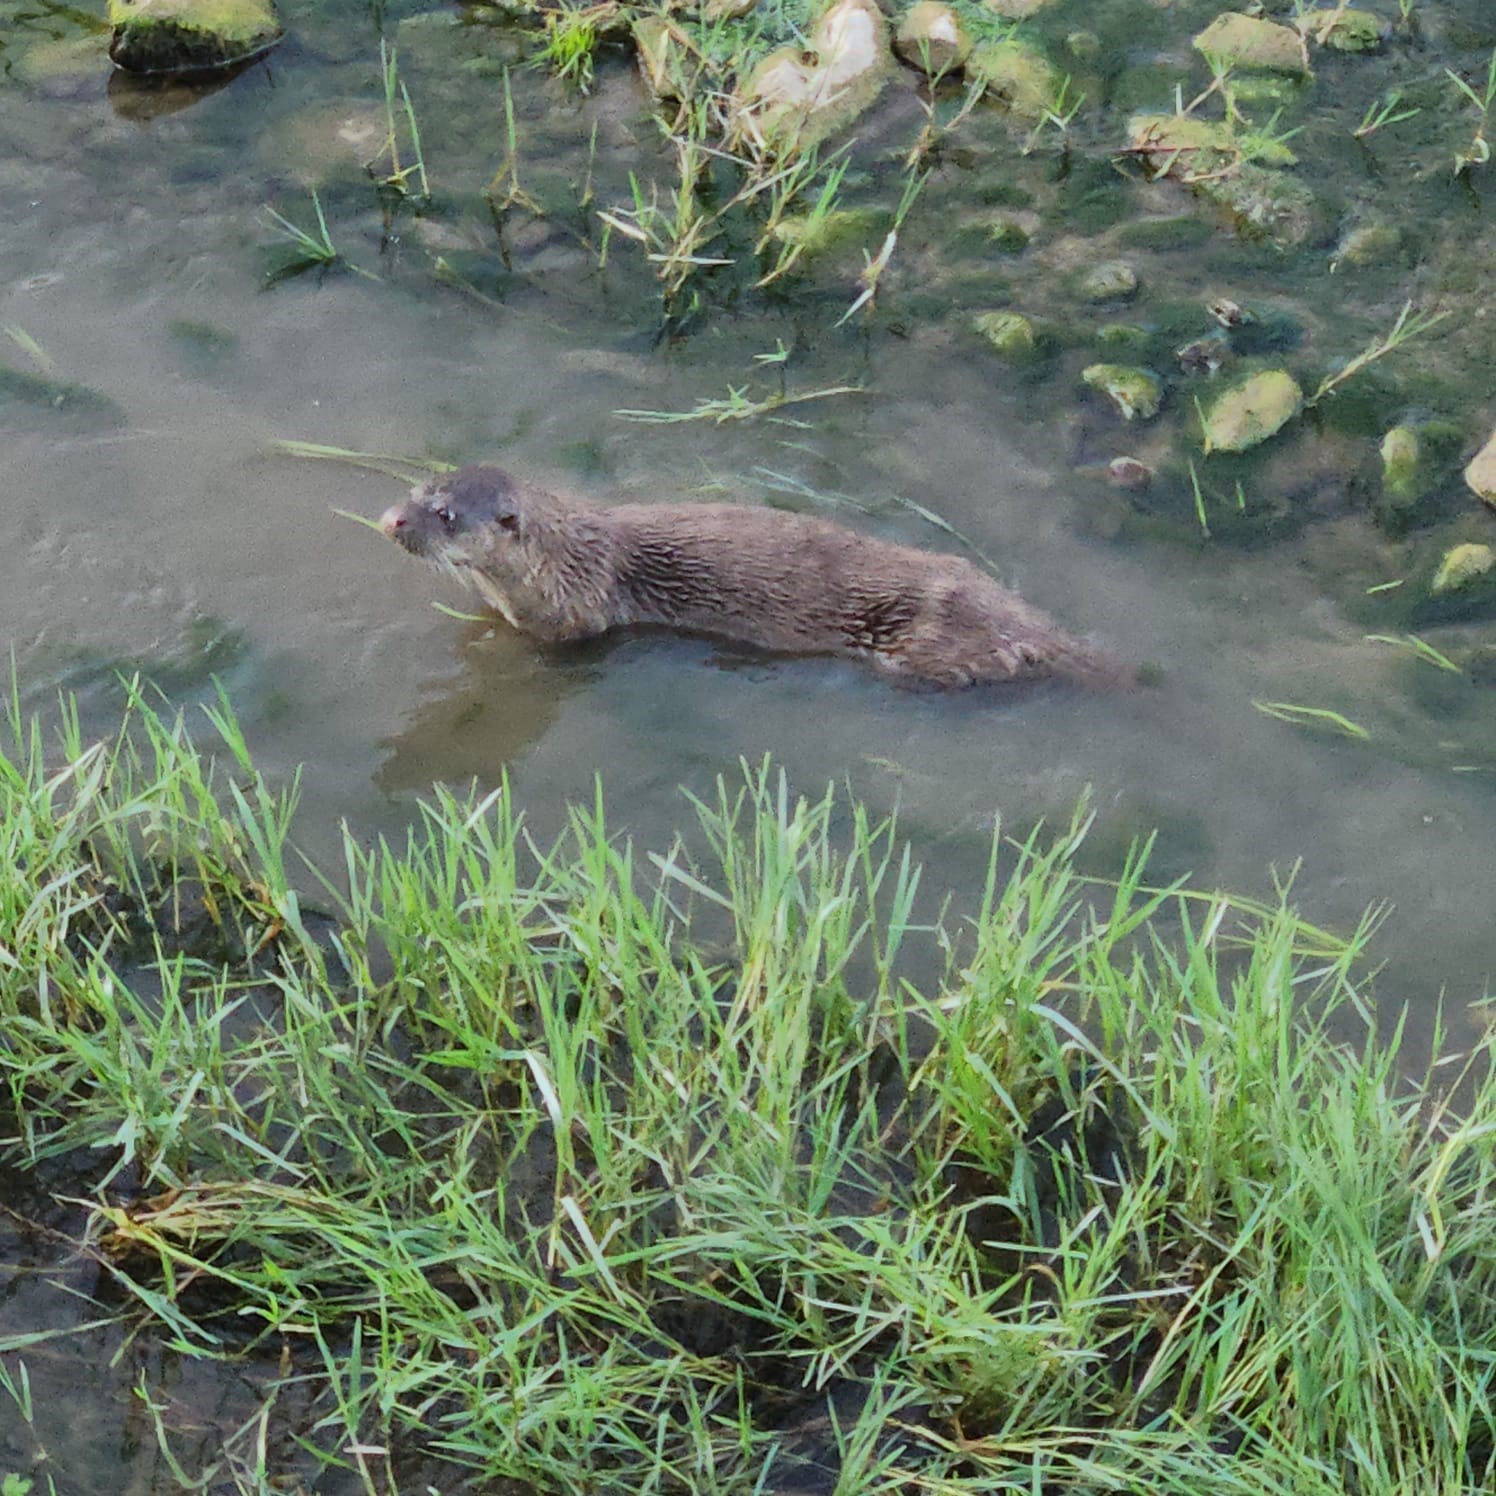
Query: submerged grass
x=599 y=1170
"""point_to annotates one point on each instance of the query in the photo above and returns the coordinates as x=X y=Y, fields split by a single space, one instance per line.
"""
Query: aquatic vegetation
x=1381 y=113
x=1478 y=151
x=1312 y=716
x=1420 y=648
x=306 y=250
x=407 y=180
x=1409 y=326
x=596 y=1167
x=737 y=406
x=571 y=42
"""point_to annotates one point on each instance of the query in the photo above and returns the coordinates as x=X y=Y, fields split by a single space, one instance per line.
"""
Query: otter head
x=458 y=518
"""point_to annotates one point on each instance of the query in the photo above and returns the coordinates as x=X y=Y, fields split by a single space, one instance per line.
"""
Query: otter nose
x=392 y=521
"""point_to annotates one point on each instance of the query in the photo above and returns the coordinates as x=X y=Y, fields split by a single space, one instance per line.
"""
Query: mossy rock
x=1371 y=241
x=1135 y=393
x=1010 y=334
x=1247 y=42
x=1269 y=204
x=1015 y=10
x=1182 y=145
x=1417 y=460
x=1112 y=280
x=1163 y=234
x=933 y=37
x=1400 y=465
x=1252 y=410
x=1480 y=474
x=190 y=36
x=1015 y=74
x=1344 y=30
x=1460 y=566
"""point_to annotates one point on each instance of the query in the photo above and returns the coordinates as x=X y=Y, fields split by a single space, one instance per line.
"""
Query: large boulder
x=190 y=36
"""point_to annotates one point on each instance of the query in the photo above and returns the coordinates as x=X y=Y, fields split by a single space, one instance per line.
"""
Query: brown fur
x=560 y=571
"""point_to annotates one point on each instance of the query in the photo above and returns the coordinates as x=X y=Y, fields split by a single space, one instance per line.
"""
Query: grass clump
x=722 y=1167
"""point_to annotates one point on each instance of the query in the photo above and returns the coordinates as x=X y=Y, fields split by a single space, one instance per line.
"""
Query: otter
x=562 y=571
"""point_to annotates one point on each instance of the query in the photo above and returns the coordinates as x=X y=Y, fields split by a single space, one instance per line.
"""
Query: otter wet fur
x=562 y=571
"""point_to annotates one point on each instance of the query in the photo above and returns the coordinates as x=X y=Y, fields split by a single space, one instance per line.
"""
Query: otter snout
x=403 y=527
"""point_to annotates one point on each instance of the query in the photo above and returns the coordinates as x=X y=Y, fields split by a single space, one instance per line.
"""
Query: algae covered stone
x=1252 y=410
x=189 y=36
x=1400 y=465
x=1279 y=208
x=933 y=37
x=1371 y=241
x=1344 y=30
x=1481 y=472
x=1015 y=74
x=1184 y=145
x=1113 y=280
x=1015 y=10
x=1462 y=564
x=1247 y=42
x=1010 y=333
x=1134 y=392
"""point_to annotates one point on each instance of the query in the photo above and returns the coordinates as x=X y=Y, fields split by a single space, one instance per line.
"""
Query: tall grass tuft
x=721 y=1167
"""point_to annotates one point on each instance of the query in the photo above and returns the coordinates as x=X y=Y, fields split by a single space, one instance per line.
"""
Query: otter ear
x=508 y=520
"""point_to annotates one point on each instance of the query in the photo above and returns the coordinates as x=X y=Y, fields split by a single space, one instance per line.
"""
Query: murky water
x=163 y=533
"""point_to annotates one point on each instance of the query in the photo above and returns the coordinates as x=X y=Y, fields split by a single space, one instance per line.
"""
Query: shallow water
x=167 y=536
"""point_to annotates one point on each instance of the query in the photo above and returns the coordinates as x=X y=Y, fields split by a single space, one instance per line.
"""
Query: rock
x=1135 y=392
x=1114 y=280
x=1228 y=313
x=1462 y=564
x=1344 y=30
x=1251 y=411
x=1129 y=473
x=1400 y=466
x=1181 y=145
x=797 y=101
x=817 y=232
x=1480 y=474
x=932 y=37
x=1123 y=337
x=1246 y=42
x=189 y=36
x=1372 y=242
x=1016 y=75
x=1267 y=203
x=1015 y=10
x=1204 y=355
x=1011 y=232
x=1010 y=333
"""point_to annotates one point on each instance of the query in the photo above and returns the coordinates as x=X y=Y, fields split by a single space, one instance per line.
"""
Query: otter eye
x=445 y=516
